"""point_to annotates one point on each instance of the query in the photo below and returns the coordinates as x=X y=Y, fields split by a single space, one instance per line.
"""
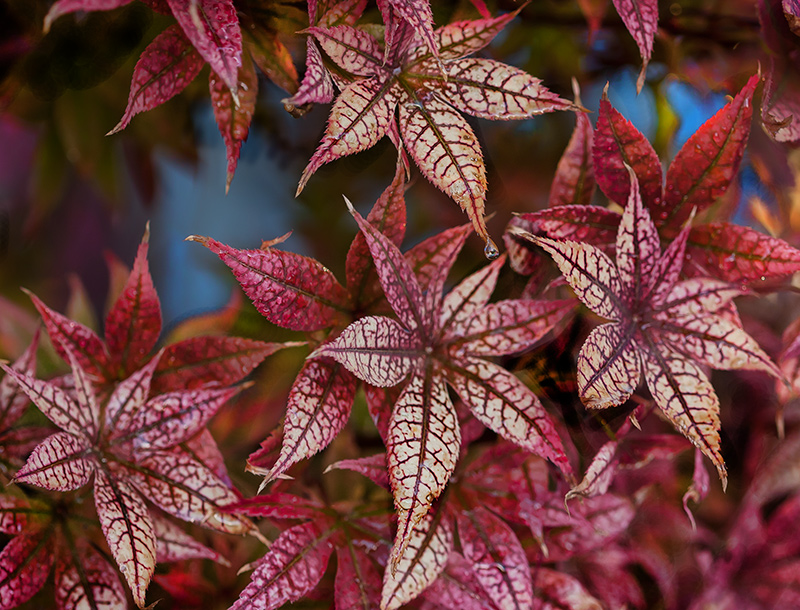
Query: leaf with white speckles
x=13 y=399
x=293 y=566
x=128 y=398
x=704 y=168
x=233 y=116
x=24 y=566
x=316 y=86
x=641 y=19
x=574 y=181
x=469 y=297
x=465 y=37
x=213 y=28
x=557 y=590
x=599 y=474
x=504 y=404
x=419 y=562
x=352 y=49
x=493 y=90
x=417 y=14
x=684 y=394
x=448 y=154
x=422 y=451
x=61 y=462
x=375 y=349
x=457 y=587
x=497 y=557
x=317 y=409
x=358 y=582
x=166 y=67
x=85 y=579
x=133 y=323
x=128 y=530
x=288 y=289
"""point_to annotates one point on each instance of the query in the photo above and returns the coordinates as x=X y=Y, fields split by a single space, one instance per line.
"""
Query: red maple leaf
x=415 y=97
x=664 y=327
x=439 y=339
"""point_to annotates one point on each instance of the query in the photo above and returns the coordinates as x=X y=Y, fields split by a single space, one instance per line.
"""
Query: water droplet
x=123 y=568
x=491 y=250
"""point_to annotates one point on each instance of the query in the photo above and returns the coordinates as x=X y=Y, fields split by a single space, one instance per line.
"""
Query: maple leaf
x=435 y=340
x=660 y=326
x=412 y=95
x=134 y=448
x=698 y=176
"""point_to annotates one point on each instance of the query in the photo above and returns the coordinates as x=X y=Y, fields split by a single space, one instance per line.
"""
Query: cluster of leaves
x=474 y=498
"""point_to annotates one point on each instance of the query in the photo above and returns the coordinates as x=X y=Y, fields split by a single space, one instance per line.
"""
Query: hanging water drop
x=491 y=250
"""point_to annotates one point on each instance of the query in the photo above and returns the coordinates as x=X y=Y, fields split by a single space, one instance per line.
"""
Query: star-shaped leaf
x=660 y=326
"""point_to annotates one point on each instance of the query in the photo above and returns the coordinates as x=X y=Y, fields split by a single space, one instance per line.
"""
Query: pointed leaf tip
x=200 y=239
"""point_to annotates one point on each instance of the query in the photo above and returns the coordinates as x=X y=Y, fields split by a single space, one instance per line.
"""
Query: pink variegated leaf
x=292 y=567
x=422 y=450
x=380 y=403
x=599 y=474
x=186 y=489
x=590 y=273
x=352 y=49
x=316 y=86
x=290 y=290
x=13 y=399
x=448 y=154
x=61 y=462
x=461 y=38
x=128 y=398
x=57 y=405
x=375 y=349
x=88 y=348
x=317 y=409
x=213 y=28
x=198 y=361
x=457 y=587
x=618 y=143
x=560 y=591
x=735 y=253
x=497 y=557
x=609 y=367
x=718 y=343
x=233 y=115
x=358 y=582
x=469 y=297
x=85 y=579
x=25 y=563
x=682 y=391
x=419 y=561
x=127 y=527
x=372 y=467
x=669 y=267
x=696 y=297
x=704 y=168
x=432 y=259
x=360 y=117
x=417 y=14
x=698 y=490
x=641 y=19
x=504 y=404
x=18 y=514
x=574 y=181
x=388 y=216
x=510 y=327
x=166 y=67
x=173 y=544
x=638 y=247
x=64 y=7
x=493 y=90
x=203 y=448
x=170 y=419
x=134 y=321
x=395 y=274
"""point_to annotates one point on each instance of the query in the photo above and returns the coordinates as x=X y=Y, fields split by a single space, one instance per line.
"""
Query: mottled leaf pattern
x=129 y=531
x=61 y=462
x=358 y=582
x=316 y=86
x=104 y=589
x=641 y=19
x=609 y=368
x=422 y=450
x=574 y=181
x=24 y=566
x=165 y=68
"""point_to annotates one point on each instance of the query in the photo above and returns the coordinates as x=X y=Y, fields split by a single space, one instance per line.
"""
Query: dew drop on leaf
x=490 y=250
